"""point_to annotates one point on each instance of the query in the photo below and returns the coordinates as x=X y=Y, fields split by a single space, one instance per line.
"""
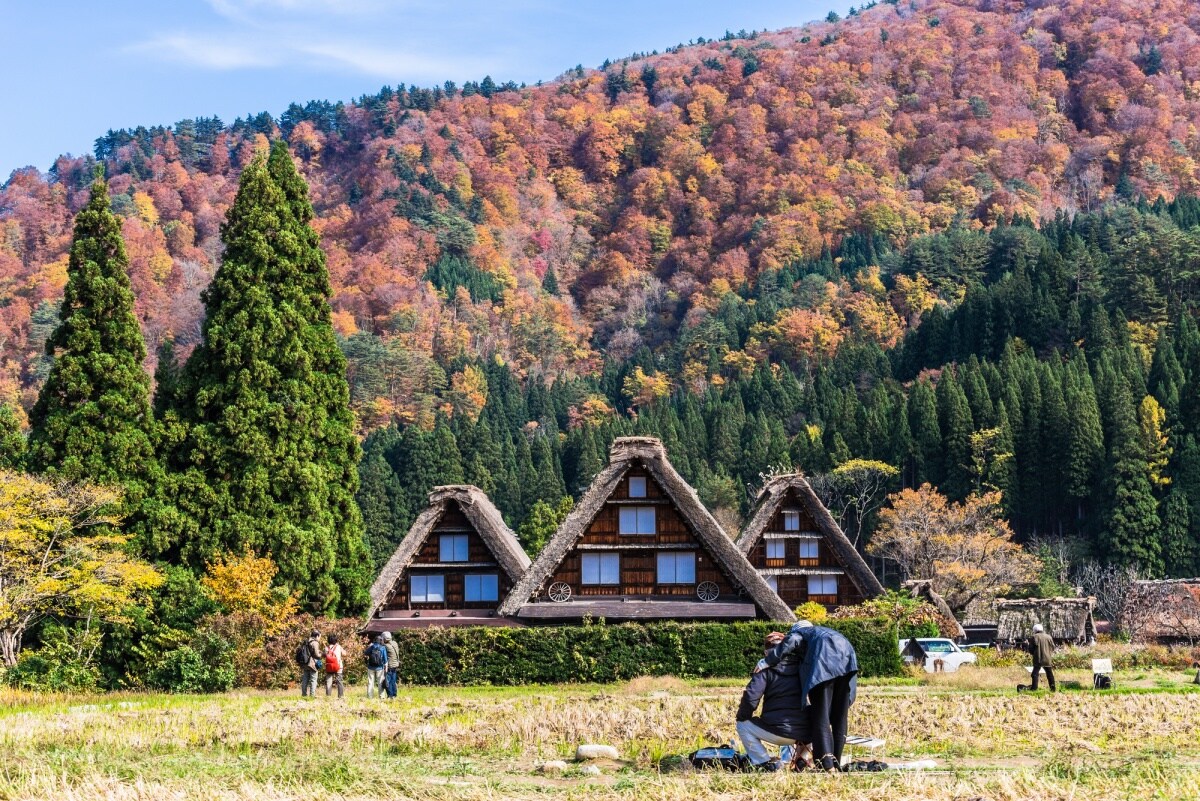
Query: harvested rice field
x=1139 y=741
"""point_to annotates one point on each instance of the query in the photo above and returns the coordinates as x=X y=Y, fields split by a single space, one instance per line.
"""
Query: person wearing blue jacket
x=828 y=681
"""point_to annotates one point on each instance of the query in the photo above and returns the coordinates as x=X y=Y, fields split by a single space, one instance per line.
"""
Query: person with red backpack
x=335 y=663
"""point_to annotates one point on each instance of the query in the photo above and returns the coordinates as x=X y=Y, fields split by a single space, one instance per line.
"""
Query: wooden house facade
x=453 y=568
x=639 y=545
x=799 y=549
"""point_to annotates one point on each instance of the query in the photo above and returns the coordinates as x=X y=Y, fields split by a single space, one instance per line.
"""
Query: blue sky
x=79 y=67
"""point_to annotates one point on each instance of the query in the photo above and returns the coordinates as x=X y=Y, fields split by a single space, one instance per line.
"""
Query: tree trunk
x=10 y=646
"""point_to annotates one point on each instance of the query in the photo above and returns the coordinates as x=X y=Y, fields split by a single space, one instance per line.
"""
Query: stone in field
x=591 y=751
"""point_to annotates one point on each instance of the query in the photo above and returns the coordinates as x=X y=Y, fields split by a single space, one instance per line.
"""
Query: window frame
x=642 y=482
x=454 y=540
x=426 y=578
x=480 y=578
x=822 y=578
x=611 y=561
x=791 y=515
x=814 y=545
x=775 y=544
x=675 y=557
x=639 y=514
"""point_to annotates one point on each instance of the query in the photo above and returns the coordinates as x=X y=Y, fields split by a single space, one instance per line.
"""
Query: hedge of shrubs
x=602 y=653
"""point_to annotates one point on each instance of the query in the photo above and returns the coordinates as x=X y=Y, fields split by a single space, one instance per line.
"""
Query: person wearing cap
x=393 y=663
x=828 y=683
x=1041 y=648
x=783 y=720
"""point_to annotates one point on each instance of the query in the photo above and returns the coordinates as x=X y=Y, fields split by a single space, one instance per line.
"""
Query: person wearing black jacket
x=828 y=684
x=310 y=670
x=781 y=721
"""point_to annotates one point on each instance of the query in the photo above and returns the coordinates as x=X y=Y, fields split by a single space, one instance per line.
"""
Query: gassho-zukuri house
x=452 y=568
x=639 y=545
x=801 y=551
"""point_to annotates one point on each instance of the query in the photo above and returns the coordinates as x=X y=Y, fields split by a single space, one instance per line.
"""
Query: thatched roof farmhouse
x=455 y=565
x=639 y=545
x=799 y=549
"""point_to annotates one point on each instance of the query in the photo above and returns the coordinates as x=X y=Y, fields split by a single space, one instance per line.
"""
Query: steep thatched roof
x=1065 y=619
x=923 y=589
x=769 y=499
x=649 y=452
x=483 y=516
x=1164 y=610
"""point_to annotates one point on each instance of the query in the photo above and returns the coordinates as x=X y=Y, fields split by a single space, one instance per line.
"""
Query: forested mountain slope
x=874 y=237
x=614 y=208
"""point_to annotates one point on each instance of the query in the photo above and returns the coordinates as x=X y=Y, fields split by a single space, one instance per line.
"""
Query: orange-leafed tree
x=966 y=549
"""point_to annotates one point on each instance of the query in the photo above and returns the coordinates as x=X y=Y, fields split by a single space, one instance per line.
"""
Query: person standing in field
x=377 y=660
x=393 y=663
x=335 y=663
x=829 y=683
x=309 y=658
x=1041 y=648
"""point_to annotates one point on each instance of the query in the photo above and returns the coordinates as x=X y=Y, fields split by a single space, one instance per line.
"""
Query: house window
x=822 y=585
x=791 y=520
x=601 y=568
x=637 y=486
x=776 y=549
x=810 y=549
x=454 y=548
x=485 y=587
x=773 y=583
x=637 y=520
x=427 y=589
x=677 y=568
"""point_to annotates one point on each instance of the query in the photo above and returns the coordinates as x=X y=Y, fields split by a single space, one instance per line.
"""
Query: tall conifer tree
x=12 y=441
x=92 y=419
x=270 y=456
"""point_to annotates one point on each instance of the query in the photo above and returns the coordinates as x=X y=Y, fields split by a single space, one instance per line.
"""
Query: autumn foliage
x=966 y=548
x=610 y=207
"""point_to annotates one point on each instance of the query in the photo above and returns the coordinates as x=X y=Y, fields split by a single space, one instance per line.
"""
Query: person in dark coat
x=782 y=721
x=1041 y=648
x=828 y=681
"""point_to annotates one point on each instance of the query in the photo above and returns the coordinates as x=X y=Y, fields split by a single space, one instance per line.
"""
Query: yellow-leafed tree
x=61 y=554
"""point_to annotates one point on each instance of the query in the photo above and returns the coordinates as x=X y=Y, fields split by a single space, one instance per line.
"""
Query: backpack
x=376 y=656
x=303 y=655
x=332 y=663
x=725 y=757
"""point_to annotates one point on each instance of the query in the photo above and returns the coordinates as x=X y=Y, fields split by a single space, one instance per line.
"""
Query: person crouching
x=784 y=718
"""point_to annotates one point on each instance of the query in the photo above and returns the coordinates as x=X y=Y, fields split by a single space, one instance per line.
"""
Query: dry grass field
x=1141 y=741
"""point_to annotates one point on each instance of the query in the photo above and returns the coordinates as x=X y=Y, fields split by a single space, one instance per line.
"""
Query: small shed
x=1164 y=611
x=1068 y=620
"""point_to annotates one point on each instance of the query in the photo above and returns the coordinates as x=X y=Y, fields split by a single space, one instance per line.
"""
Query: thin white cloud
x=245 y=10
x=207 y=52
x=391 y=63
x=237 y=52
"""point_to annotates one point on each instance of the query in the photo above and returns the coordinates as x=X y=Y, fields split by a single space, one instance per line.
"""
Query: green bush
x=64 y=662
x=204 y=665
x=602 y=653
